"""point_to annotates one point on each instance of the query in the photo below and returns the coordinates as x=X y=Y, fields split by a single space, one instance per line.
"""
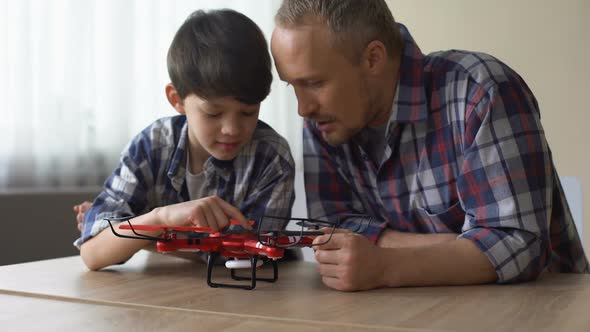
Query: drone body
x=242 y=249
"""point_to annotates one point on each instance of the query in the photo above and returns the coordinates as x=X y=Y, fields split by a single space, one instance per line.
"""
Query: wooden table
x=153 y=290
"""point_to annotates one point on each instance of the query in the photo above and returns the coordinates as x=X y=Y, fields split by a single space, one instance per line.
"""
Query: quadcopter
x=241 y=248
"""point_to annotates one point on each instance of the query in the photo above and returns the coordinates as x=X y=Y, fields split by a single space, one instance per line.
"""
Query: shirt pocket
x=450 y=220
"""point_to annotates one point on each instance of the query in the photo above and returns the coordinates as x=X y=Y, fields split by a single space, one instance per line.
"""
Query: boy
x=214 y=162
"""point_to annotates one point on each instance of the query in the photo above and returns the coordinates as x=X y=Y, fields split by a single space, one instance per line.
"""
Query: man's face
x=219 y=127
x=330 y=89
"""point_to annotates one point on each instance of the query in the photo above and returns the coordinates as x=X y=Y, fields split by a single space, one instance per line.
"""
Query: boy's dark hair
x=220 y=53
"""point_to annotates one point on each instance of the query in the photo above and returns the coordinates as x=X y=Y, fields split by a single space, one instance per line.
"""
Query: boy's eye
x=212 y=115
x=248 y=114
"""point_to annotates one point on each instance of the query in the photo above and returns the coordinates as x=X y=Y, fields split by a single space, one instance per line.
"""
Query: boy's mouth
x=228 y=146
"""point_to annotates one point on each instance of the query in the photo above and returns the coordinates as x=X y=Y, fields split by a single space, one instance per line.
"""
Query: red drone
x=241 y=248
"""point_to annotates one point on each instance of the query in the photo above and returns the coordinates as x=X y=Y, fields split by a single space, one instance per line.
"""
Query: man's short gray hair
x=352 y=24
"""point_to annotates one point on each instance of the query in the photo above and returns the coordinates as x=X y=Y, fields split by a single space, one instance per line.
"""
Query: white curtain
x=79 y=78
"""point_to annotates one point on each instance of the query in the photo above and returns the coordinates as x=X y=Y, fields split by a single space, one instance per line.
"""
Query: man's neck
x=388 y=87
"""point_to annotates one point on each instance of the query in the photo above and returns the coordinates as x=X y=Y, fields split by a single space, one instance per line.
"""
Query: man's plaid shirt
x=465 y=153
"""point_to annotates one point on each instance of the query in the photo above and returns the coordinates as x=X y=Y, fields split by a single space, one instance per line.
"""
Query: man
x=444 y=151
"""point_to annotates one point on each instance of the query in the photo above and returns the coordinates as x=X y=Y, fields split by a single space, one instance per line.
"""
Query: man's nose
x=306 y=106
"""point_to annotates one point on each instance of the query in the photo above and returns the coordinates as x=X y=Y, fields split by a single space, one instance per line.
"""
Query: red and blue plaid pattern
x=466 y=154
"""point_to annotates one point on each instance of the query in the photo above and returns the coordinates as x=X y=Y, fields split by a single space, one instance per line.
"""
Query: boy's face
x=218 y=127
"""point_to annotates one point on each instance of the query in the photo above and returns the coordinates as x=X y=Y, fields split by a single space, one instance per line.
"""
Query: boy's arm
x=107 y=249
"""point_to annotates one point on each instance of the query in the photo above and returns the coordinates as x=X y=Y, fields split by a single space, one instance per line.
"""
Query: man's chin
x=334 y=138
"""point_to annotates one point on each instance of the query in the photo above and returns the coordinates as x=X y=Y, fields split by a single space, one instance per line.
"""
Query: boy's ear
x=174 y=99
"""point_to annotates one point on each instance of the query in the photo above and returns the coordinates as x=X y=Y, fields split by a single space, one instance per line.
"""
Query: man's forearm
x=456 y=262
x=394 y=239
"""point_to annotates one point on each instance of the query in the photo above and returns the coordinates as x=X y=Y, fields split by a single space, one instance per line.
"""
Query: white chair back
x=572 y=188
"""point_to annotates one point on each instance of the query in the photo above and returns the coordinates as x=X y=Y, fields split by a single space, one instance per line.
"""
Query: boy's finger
x=234 y=213
x=219 y=215
x=215 y=223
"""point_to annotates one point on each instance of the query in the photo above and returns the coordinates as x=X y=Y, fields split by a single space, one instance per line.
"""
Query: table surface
x=153 y=289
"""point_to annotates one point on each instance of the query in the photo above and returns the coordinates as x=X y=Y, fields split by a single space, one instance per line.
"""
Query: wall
x=545 y=41
x=39 y=225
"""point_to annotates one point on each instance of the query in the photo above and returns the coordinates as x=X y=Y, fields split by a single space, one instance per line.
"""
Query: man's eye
x=314 y=84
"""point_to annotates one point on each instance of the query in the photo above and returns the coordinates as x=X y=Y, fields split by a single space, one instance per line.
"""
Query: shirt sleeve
x=506 y=179
x=271 y=189
x=124 y=194
x=330 y=195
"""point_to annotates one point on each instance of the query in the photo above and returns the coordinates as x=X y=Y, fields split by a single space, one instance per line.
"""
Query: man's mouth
x=325 y=126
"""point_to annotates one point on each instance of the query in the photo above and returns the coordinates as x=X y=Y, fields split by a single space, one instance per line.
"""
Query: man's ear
x=374 y=57
x=174 y=98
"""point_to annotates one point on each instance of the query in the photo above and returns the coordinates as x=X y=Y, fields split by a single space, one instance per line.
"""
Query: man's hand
x=80 y=209
x=212 y=212
x=349 y=262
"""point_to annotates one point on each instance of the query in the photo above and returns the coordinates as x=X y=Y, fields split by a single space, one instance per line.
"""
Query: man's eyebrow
x=302 y=79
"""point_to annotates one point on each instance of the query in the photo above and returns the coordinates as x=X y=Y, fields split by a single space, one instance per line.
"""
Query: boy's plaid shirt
x=153 y=167
x=466 y=154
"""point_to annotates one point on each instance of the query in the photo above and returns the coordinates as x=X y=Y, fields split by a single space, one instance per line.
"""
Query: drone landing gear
x=252 y=278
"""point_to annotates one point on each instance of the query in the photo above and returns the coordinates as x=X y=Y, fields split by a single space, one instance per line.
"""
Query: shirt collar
x=410 y=95
x=177 y=169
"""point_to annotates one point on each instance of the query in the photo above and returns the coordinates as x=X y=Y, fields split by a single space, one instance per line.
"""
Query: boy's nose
x=230 y=128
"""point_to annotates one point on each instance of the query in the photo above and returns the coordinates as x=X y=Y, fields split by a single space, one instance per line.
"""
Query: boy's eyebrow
x=214 y=104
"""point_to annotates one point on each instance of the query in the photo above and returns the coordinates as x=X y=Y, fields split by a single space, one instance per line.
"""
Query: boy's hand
x=80 y=209
x=212 y=212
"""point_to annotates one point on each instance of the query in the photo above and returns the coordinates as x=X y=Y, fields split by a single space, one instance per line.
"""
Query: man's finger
x=329 y=242
x=331 y=282
x=328 y=230
x=331 y=257
x=329 y=270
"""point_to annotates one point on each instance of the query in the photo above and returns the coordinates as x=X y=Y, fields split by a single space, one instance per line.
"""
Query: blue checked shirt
x=153 y=167
x=464 y=153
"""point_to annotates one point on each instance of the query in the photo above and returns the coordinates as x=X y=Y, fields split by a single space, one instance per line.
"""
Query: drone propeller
x=311 y=223
x=157 y=228
x=292 y=233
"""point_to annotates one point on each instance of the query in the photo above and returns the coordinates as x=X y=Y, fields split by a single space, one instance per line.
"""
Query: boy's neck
x=196 y=158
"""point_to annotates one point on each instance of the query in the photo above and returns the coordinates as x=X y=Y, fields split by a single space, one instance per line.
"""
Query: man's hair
x=220 y=53
x=352 y=24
